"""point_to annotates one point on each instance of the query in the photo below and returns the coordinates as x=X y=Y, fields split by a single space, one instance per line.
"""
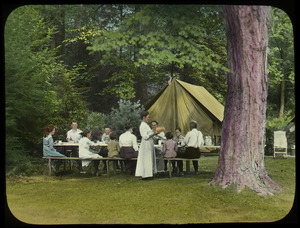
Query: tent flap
x=182 y=102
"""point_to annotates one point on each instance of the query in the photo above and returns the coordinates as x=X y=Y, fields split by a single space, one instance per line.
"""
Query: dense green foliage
x=281 y=67
x=151 y=41
x=96 y=121
x=75 y=62
x=126 y=112
x=38 y=86
x=281 y=90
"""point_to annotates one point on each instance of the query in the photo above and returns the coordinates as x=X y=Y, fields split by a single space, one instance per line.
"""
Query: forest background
x=91 y=63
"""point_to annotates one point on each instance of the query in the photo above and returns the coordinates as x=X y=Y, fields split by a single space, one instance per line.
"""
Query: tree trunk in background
x=241 y=160
x=282 y=97
x=58 y=18
x=282 y=87
x=141 y=91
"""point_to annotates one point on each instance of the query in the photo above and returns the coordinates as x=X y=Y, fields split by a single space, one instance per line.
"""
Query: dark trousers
x=71 y=151
x=130 y=166
x=96 y=164
x=129 y=152
x=180 y=165
x=173 y=165
x=104 y=153
x=190 y=153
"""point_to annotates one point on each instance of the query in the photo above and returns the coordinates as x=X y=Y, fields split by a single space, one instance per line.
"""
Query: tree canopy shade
x=241 y=160
x=180 y=102
x=150 y=39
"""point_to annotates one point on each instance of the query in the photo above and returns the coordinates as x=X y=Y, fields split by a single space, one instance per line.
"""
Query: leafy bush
x=14 y=151
x=127 y=111
x=96 y=121
x=29 y=168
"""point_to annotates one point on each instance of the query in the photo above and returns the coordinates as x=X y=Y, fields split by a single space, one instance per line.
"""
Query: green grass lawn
x=123 y=199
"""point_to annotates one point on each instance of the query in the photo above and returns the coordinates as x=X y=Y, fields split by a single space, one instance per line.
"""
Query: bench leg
x=107 y=168
x=115 y=166
x=49 y=164
x=70 y=164
x=122 y=165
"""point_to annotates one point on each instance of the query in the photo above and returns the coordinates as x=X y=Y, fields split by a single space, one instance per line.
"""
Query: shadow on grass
x=208 y=175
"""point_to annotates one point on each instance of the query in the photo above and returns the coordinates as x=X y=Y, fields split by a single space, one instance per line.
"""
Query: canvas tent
x=180 y=102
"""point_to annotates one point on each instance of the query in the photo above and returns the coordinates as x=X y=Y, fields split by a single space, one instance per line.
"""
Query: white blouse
x=128 y=139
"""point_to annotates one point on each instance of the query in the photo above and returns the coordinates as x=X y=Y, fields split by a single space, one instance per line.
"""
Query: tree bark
x=241 y=160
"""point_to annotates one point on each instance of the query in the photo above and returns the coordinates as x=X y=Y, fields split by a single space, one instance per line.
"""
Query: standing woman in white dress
x=84 y=150
x=146 y=161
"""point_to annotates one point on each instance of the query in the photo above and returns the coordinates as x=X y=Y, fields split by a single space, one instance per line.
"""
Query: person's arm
x=155 y=133
x=89 y=143
x=51 y=144
x=120 y=142
x=164 y=149
x=68 y=136
x=186 y=138
x=145 y=133
x=200 y=138
x=135 y=145
x=118 y=147
x=175 y=147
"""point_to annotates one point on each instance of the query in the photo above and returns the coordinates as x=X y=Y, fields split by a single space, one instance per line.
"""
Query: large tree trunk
x=241 y=160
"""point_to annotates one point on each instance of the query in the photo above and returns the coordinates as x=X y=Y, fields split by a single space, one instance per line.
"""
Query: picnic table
x=203 y=150
x=63 y=147
x=98 y=143
x=66 y=148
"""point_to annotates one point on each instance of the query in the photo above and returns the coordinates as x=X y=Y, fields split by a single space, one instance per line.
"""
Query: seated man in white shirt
x=193 y=140
x=128 y=148
x=74 y=134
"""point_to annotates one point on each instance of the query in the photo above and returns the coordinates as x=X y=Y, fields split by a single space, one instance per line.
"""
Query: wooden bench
x=114 y=159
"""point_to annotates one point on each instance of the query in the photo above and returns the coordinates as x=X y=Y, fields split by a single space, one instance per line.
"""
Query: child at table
x=48 y=149
x=113 y=147
x=84 y=151
x=170 y=150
